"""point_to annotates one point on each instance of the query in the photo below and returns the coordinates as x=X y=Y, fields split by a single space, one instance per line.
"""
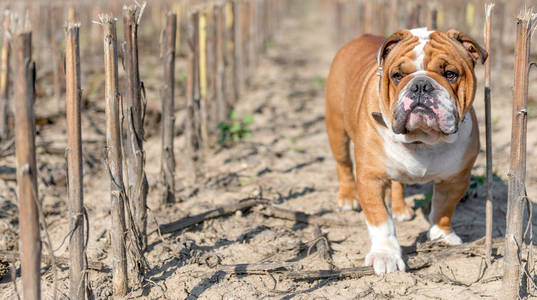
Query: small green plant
x=319 y=82
x=425 y=202
x=495 y=176
x=532 y=109
x=495 y=122
x=270 y=44
x=251 y=179
x=235 y=129
x=294 y=146
x=181 y=77
x=478 y=180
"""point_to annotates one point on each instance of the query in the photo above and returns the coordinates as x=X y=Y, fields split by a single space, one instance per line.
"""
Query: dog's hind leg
x=347 y=197
x=447 y=194
x=400 y=210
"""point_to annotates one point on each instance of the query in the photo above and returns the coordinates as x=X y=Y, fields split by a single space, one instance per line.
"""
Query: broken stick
x=266 y=210
x=300 y=217
x=323 y=247
x=256 y=269
x=8 y=173
x=332 y=274
x=46 y=260
x=213 y=213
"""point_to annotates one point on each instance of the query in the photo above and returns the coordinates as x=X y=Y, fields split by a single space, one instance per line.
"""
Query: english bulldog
x=406 y=104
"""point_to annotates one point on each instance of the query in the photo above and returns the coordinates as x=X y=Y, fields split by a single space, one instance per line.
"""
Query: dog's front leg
x=385 y=253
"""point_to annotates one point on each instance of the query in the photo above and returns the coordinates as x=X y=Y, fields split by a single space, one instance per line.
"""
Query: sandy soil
x=288 y=160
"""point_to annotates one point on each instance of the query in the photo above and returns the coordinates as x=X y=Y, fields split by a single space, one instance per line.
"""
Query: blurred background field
x=270 y=144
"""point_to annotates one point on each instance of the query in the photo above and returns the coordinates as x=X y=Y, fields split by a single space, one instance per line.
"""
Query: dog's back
x=353 y=63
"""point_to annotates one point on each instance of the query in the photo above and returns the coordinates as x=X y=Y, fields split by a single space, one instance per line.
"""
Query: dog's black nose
x=421 y=86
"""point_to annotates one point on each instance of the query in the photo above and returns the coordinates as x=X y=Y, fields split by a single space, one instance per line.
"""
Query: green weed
x=425 y=202
x=251 y=179
x=495 y=122
x=532 y=109
x=181 y=77
x=295 y=148
x=319 y=82
x=235 y=129
x=270 y=44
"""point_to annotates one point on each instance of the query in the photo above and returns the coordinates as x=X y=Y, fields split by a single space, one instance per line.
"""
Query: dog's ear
x=473 y=48
x=389 y=44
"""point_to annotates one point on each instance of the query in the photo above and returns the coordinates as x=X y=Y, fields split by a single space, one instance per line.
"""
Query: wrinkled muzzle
x=426 y=105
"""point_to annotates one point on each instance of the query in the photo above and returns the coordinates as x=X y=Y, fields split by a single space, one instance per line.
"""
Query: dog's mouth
x=425 y=116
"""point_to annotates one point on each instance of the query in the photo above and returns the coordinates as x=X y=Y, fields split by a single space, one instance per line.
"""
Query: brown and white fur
x=406 y=104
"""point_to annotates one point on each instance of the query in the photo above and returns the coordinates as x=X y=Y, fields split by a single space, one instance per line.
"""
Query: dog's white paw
x=347 y=206
x=385 y=258
x=384 y=262
x=435 y=233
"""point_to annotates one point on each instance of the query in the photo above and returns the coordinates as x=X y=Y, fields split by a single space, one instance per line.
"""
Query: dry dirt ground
x=288 y=161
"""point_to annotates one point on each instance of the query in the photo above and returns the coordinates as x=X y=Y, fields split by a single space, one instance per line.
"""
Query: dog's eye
x=451 y=76
x=396 y=77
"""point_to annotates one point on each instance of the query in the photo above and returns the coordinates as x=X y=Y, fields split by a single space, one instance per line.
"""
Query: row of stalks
x=222 y=42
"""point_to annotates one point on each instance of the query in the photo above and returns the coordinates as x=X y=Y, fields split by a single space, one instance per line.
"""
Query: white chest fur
x=419 y=163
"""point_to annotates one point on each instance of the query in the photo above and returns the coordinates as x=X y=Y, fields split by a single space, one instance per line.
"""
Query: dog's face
x=427 y=83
